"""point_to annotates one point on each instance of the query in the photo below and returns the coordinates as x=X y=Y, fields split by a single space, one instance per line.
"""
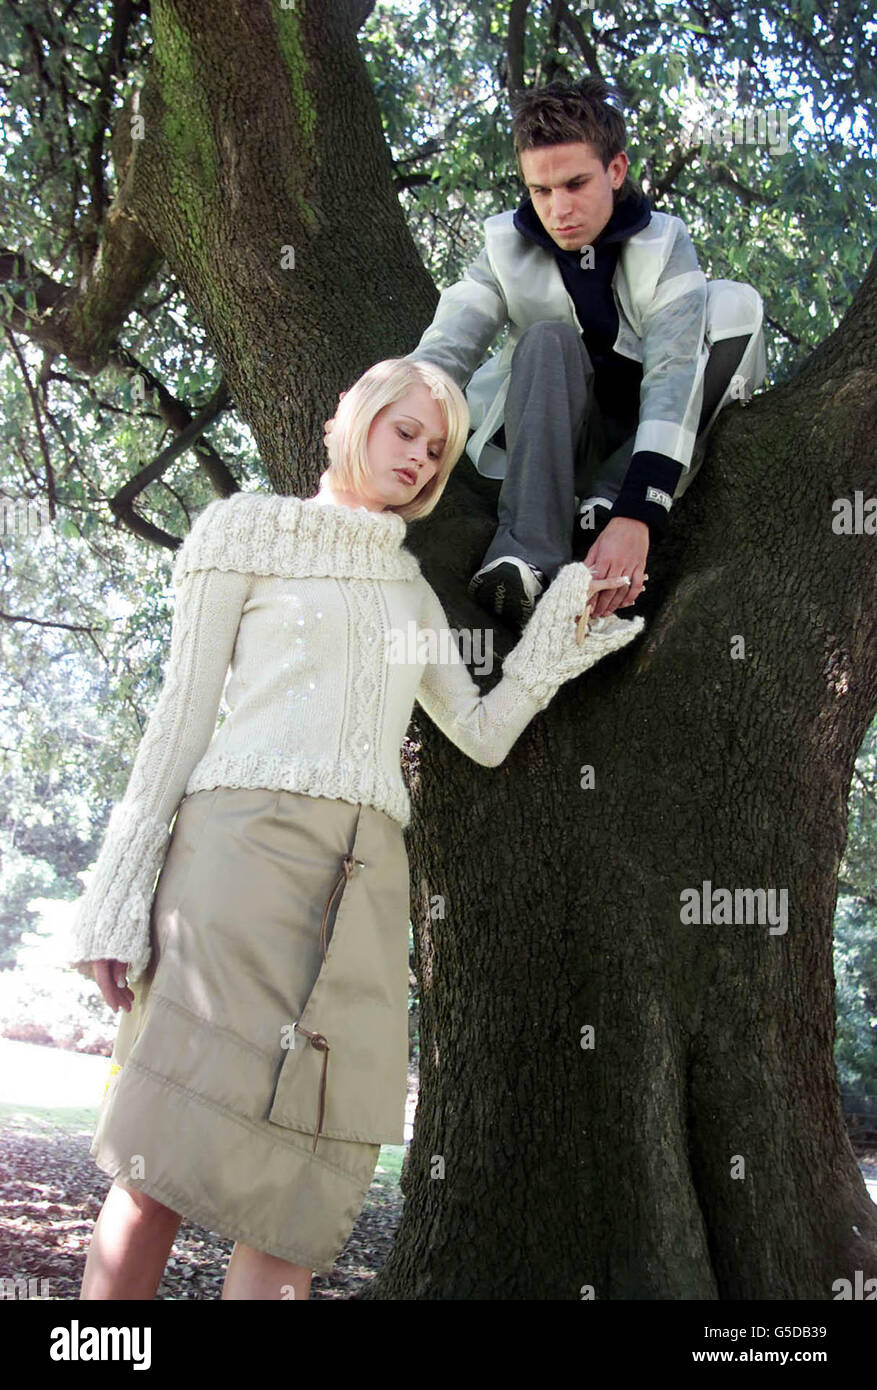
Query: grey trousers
x=562 y=450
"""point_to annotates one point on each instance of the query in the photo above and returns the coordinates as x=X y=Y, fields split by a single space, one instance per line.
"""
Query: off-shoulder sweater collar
x=272 y=534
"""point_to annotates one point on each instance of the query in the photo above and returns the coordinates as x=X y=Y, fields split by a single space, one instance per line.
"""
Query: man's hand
x=110 y=975
x=622 y=547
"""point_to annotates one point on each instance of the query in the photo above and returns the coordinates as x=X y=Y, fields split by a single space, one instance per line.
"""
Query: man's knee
x=548 y=336
x=737 y=362
x=734 y=370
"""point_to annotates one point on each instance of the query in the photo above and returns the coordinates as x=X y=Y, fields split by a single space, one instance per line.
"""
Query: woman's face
x=404 y=447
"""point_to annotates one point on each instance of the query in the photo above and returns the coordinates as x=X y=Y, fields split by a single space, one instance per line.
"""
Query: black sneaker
x=509 y=588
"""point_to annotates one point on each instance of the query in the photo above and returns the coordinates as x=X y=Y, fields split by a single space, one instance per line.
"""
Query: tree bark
x=697 y=1150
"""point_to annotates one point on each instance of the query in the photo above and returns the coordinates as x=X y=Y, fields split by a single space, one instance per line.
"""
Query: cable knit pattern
x=548 y=654
x=289 y=608
x=367 y=625
x=270 y=534
x=341 y=781
x=120 y=892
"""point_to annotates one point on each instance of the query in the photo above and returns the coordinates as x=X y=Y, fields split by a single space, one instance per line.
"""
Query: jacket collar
x=629 y=216
x=272 y=534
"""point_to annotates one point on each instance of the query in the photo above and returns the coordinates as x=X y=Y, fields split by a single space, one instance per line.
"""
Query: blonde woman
x=261 y=1058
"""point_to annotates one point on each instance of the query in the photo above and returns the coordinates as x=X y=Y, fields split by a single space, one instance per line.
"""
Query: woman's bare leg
x=130 y=1244
x=253 y=1274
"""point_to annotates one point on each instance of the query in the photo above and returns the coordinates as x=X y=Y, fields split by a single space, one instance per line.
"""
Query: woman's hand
x=327 y=427
x=596 y=586
x=110 y=975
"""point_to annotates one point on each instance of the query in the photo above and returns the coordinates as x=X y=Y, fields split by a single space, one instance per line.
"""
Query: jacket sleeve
x=647 y=491
x=486 y=726
x=673 y=328
x=468 y=317
x=112 y=917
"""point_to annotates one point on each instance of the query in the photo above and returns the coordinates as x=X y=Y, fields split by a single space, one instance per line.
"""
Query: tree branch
x=722 y=174
x=80 y=322
x=850 y=890
x=122 y=505
x=866 y=786
x=576 y=28
x=778 y=328
x=516 y=35
x=45 y=622
x=46 y=291
x=109 y=67
x=178 y=416
x=35 y=405
x=678 y=160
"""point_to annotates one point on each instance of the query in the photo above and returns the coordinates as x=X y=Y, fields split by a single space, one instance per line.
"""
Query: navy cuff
x=647 y=491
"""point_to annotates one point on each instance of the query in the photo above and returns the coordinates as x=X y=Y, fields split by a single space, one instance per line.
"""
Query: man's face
x=571 y=191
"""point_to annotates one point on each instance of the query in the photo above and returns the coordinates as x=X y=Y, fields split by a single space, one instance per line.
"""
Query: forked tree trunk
x=697 y=1148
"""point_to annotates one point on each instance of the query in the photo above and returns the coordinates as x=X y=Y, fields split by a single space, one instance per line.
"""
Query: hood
x=629 y=215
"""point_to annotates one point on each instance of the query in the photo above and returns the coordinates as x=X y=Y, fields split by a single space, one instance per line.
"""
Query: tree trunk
x=697 y=1149
x=264 y=177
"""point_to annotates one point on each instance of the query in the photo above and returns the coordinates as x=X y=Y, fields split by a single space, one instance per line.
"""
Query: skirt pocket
x=343 y=1073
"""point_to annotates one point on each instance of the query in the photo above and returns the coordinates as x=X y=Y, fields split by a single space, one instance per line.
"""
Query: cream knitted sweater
x=287 y=609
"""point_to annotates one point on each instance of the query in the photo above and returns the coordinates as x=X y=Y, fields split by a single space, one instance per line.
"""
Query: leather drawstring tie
x=317 y=1040
x=347 y=865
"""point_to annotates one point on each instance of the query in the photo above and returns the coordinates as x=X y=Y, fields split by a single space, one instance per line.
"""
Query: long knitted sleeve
x=112 y=918
x=486 y=726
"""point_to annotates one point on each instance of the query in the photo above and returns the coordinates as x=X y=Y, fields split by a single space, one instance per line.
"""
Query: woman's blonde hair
x=382 y=385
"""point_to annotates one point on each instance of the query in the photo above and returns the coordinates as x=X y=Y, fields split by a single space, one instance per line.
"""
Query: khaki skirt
x=264 y=1060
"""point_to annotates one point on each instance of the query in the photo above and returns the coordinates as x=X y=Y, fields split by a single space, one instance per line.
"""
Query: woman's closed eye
x=406 y=435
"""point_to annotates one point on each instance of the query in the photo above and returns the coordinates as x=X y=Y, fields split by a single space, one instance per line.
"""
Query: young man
x=620 y=354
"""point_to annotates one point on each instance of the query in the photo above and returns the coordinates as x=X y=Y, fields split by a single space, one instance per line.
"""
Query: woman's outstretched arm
x=486 y=726
x=112 y=917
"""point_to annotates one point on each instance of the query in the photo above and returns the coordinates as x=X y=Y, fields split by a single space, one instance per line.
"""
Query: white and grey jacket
x=669 y=316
